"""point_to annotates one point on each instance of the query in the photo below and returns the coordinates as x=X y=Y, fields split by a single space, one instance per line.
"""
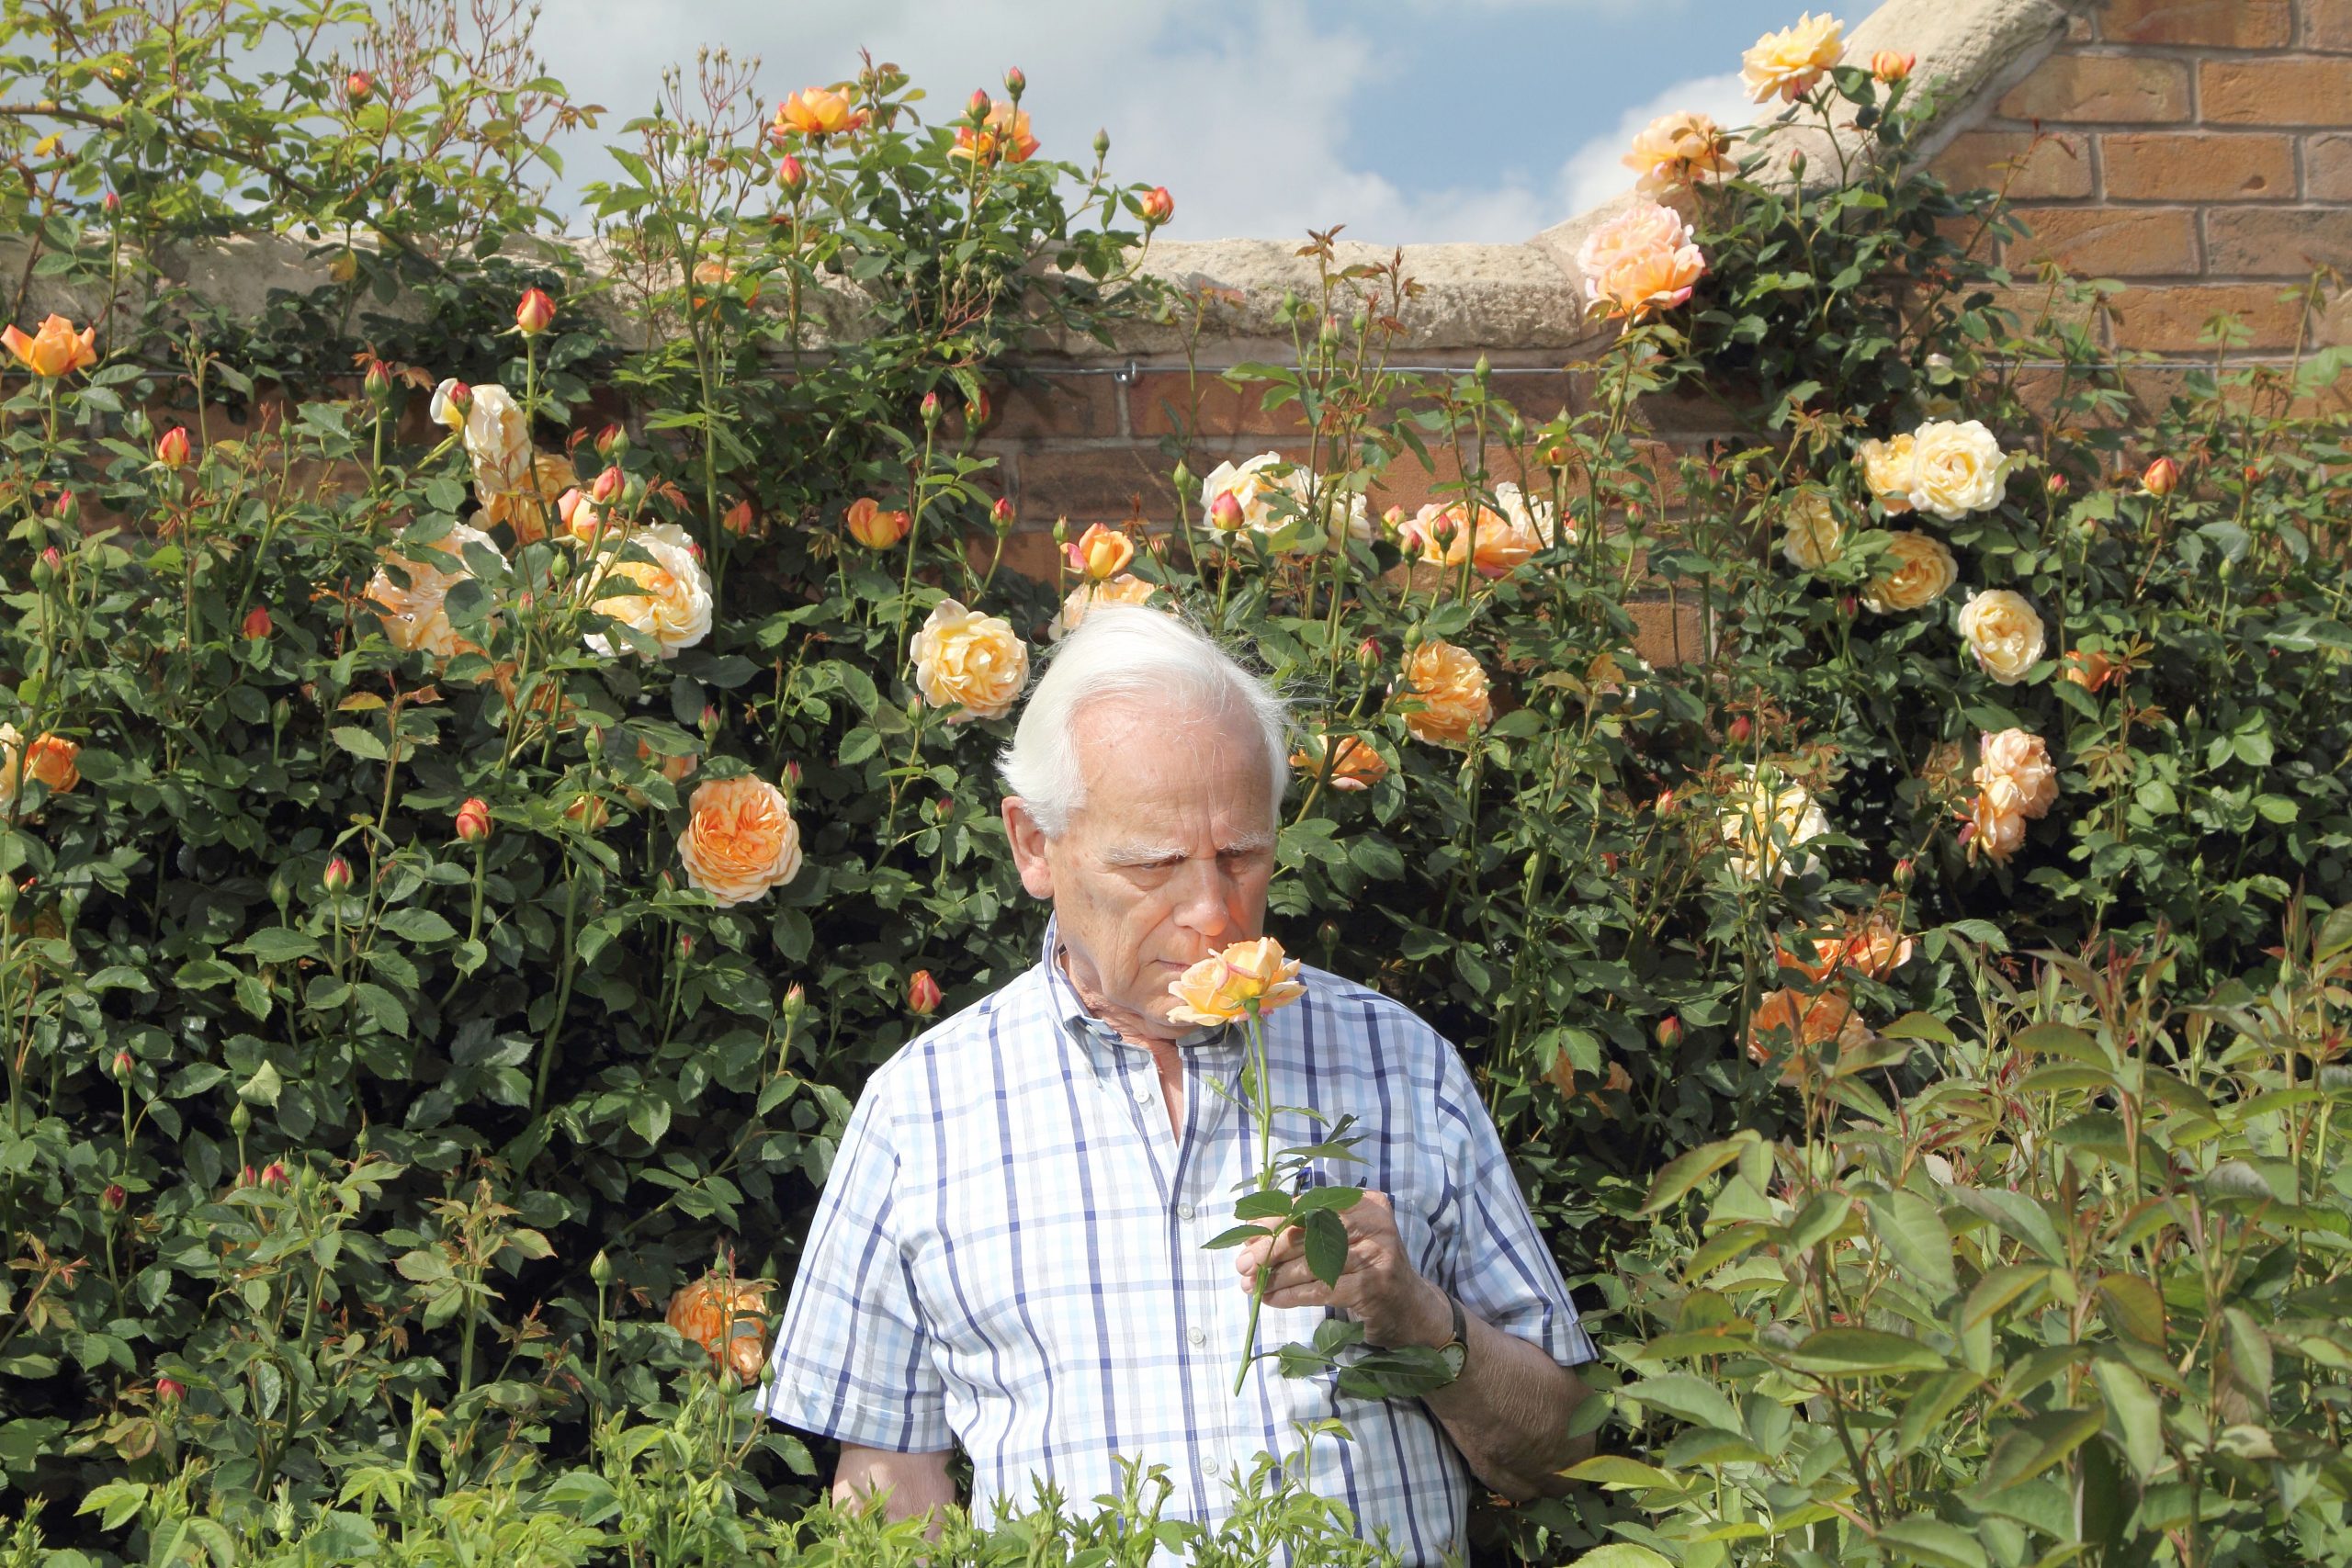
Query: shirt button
x=1198 y=1336
x=1184 y=1211
x=1143 y=1094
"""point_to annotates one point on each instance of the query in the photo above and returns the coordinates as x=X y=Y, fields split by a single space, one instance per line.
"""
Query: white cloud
x=1596 y=172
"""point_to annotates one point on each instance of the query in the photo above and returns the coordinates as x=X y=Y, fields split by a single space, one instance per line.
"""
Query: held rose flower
x=2022 y=759
x=1957 y=468
x=872 y=526
x=970 y=663
x=740 y=839
x=1122 y=589
x=1248 y=979
x=1452 y=692
x=728 y=1318
x=1813 y=538
x=2002 y=632
x=1640 y=263
x=1916 y=571
x=498 y=439
x=1887 y=467
x=1789 y=62
x=53 y=348
x=1357 y=765
x=1764 y=818
x=1100 y=553
x=673 y=601
x=1676 y=150
x=414 y=616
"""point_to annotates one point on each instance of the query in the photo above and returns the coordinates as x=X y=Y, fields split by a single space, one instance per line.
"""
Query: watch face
x=1455 y=1355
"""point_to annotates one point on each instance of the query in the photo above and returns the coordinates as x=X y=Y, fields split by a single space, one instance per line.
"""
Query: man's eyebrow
x=1142 y=854
x=1248 y=844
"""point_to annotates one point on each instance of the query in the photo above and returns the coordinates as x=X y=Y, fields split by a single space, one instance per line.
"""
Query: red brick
x=2109 y=241
x=1161 y=401
x=2155 y=165
x=2278 y=243
x=2275 y=92
x=2170 y=318
x=1093 y=484
x=2034 y=168
x=2327 y=168
x=2327 y=25
x=1668 y=633
x=2092 y=87
x=2215 y=24
x=1064 y=405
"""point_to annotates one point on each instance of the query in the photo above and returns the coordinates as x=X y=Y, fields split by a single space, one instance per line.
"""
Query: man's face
x=1167 y=860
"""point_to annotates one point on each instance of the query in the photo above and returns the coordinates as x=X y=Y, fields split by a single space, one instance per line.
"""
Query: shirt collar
x=1101 y=1042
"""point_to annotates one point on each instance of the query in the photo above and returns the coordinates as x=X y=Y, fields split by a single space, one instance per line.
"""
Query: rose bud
x=924 y=995
x=1740 y=728
x=1368 y=654
x=2162 y=477
x=609 y=441
x=1889 y=66
x=452 y=400
x=52 y=563
x=336 y=878
x=359 y=85
x=930 y=410
x=256 y=623
x=171 y=1390
x=607 y=485
x=1665 y=802
x=1670 y=1032
x=600 y=1270
x=121 y=1064
x=686 y=946
x=534 y=313
x=1905 y=873
x=791 y=175
x=113 y=1198
x=170 y=450
x=792 y=778
x=795 y=1002
x=1000 y=514
x=1848 y=606
x=274 y=1175
x=473 y=820
x=1609 y=862
x=976 y=106
x=2056 y=485
x=246 y=1176
x=1224 y=513
x=69 y=508
x=1158 y=206
x=112 y=202
x=1014 y=82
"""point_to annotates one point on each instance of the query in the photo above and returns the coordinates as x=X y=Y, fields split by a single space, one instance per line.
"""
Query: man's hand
x=910 y=1484
x=1379 y=1287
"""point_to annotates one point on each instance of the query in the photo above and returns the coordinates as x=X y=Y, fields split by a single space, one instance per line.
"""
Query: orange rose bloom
x=740 y=839
x=1876 y=949
x=1800 y=1024
x=1996 y=824
x=526 y=511
x=1248 y=978
x=2088 y=669
x=1123 y=589
x=817 y=111
x=1678 y=149
x=1100 y=553
x=54 y=348
x=1452 y=693
x=1003 y=134
x=728 y=1317
x=1503 y=543
x=872 y=526
x=49 y=758
x=1358 y=766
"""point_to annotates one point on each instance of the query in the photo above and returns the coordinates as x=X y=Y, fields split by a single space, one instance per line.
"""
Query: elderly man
x=1008 y=1255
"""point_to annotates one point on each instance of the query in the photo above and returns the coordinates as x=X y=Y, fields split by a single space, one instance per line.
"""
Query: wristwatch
x=1456 y=1350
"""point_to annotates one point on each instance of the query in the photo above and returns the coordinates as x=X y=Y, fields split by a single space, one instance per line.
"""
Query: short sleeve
x=853 y=1361
x=1502 y=1267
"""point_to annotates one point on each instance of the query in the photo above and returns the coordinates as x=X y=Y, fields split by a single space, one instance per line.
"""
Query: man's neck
x=1129 y=1025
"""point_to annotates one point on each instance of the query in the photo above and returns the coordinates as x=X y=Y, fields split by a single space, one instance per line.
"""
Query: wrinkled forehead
x=1144 y=759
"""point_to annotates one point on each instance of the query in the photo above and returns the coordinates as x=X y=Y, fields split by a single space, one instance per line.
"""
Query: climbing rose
x=1640 y=263
x=1452 y=690
x=1916 y=571
x=1957 y=468
x=1789 y=62
x=674 y=599
x=740 y=839
x=53 y=348
x=2002 y=632
x=970 y=663
x=1676 y=150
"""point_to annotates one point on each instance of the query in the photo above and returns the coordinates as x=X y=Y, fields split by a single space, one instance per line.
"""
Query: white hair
x=1126 y=650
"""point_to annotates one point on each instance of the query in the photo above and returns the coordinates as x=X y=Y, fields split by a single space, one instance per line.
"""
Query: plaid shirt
x=1008 y=1256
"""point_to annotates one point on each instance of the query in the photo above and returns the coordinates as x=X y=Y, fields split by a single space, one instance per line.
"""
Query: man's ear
x=1028 y=841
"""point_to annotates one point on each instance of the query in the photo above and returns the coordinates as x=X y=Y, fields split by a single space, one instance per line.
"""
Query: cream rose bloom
x=1764 y=818
x=498 y=439
x=2020 y=760
x=1125 y=589
x=1998 y=826
x=1789 y=62
x=967 y=662
x=2002 y=632
x=415 y=615
x=671 y=600
x=1455 y=700
x=1533 y=514
x=1256 y=483
x=1812 y=536
x=1956 y=469
x=740 y=839
x=1640 y=263
x=1887 y=467
x=1676 y=150
x=1916 y=572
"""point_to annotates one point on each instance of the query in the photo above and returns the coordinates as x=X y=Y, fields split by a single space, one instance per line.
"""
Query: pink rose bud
x=113 y=204
x=1848 y=606
x=171 y=1390
x=791 y=175
x=924 y=995
x=1158 y=206
x=1224 y=513
x=2163 y=476
x=1904 y=872
x=473 y=820
x=172 y=449
x=1669 y=1031
x=976 y=106
x=710 y=719
x=1368 y=652
x=377 y=380
x=52 y=560
x=256 y=623
x=606 y=486
x=113 y=1198
x=534 y=313
x=359 y=85
x=336 y=878
x=1001 y=514
x=246 y=1176
x=121 y=1064
x=274 y=1175
x=1014 y=82
x=792 y=778
x=69 y=508
x=1740 y=728
x=796 y=1001
x=2056 y=485
x=1665 y=802
x=930 y=410
x=606 y=439
x=1891 y=66
x=686 y=946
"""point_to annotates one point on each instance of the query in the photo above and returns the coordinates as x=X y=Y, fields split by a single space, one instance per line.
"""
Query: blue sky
x=1408 y=120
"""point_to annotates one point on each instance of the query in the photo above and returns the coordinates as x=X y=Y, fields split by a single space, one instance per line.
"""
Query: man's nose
x=1203 y=903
